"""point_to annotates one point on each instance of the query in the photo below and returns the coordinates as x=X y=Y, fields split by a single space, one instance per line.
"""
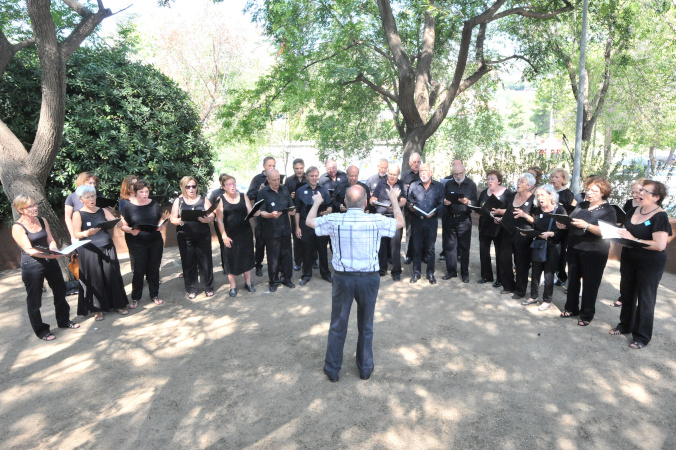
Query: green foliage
x=121 y=118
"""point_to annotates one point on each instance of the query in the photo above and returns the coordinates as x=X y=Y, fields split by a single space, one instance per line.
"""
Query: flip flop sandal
x=72 y=325
x=134 y=304
x=123 y=312
x=48 y=337
x=99 y=318
x=583 y=323
x=157 y=300
x=637 y=345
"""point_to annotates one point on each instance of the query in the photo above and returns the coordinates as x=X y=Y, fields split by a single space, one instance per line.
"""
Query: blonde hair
x=564 y=174
x=83 y=177
x=21 y=200
x=184 y=182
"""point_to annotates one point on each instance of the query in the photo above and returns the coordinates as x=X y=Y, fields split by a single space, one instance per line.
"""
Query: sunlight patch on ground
x=315 y=330
x=637 y=392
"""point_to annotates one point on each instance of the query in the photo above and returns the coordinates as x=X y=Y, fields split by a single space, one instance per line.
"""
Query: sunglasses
x=191 y=186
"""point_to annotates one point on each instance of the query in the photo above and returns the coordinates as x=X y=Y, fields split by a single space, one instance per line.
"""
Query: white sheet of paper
x=73 y=247
x=608 y=230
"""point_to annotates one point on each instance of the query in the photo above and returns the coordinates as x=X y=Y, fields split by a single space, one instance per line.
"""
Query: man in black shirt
x=292 y=184
x=393 y=244
x=374 y=179
x=333 y=177
x=459 y=192
x=424 y=198
x=311 y=242
x=338 y=198
x=408 y=177
x=276 y=230
x=257 y=183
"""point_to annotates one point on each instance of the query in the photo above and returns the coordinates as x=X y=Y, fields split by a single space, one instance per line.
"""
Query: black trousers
x=457 y=236
x=563 y=258
x=424 y=236
x=260 y=243
x=589 y=267
x=33 y=274
x=279 y=258
x=409 y=238
x=641 y=272
x=146 y=263
x=391 y=246
x=312 y=245
x=196 y=259
x=514 y=280
x=485 y=256
x=297 y=244
x=224 y=263
x=548 y=267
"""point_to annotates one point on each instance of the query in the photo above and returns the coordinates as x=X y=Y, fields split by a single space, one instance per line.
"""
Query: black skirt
x=101 y=280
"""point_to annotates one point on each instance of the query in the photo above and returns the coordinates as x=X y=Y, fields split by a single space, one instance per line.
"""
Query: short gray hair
x=530 y=179
x=355 y=197
x=550 y=190
x=83 y=190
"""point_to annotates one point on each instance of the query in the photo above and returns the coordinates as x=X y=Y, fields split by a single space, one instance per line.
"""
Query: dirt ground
x=456 y=366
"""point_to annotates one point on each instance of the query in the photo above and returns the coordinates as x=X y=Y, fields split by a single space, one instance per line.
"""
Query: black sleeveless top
x=101 y=239
x=193 y=230
x=233 y=217
x=37 y=239
x=511 y=224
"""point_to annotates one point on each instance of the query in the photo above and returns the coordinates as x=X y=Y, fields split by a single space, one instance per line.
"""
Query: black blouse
x=511 y=224
x=644 y=230
x=587 y=241
x=149 y=214
x=101 y=239
x=192 y=229
x=541 y=223
x=487 y=225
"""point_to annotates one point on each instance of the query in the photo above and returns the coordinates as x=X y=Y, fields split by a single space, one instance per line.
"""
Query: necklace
x=645 y=214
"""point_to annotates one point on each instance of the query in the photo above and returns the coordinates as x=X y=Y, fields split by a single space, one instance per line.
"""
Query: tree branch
x=393 y=38
x=377 y=50
x=8 y=50
x=526 y=12
x=83 y=30
x=362 y=79
x=521 y=57
x=395 y=117
x=79 y=8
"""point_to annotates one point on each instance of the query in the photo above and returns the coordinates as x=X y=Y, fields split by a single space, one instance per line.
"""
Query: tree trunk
x=653 y=161
x=607 y=148
x=413 y=143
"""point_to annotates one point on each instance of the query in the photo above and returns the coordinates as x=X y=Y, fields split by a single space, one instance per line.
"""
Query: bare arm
x=396 y=209
x=317 y=200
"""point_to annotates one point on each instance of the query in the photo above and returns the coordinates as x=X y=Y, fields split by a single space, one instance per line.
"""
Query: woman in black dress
x=100 y=277
x=587 y=251
x=29 y=232
x=546 y=203
x=145 y=245
x=559 y=178
x=73 y=203
x=629 y=207
x=213 y=195
x=237 y=235
x=641 y=268
x=489 y=230
x=126 y=194
x=514 y=243
x=194 y=239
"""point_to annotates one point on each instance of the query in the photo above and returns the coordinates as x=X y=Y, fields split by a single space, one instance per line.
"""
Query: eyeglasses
x=87 y=197
x=646 y=191
x=191 y=186
x=635 y=192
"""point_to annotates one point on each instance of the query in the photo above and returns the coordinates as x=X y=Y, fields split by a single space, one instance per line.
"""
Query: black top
x=37 y=239
x=122 y=204
x=292 y=183
x=467 y=188
x=587 y=241
x=510 y=223
x=542 y=223
x=328 y=183
x=644 y=230
x=339 y=195
x=149 y=214
x=101 y=239
x=275 y=201
x=303 y=199
x=425 y=199
x=487 y=225
x=380 y=193
x=255 y=186
x=233 y=217
x=566 y=197
x=193 y=229
x=629 y=207
x=373 y=181
x=213 y=195
x=409 y=177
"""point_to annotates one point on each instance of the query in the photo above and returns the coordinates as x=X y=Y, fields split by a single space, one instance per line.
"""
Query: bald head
x=392 y=174
x=458 y=172
x=331 y=167
x=414 y=162
x=273 y=179
x=352 y=175
x=355 y=197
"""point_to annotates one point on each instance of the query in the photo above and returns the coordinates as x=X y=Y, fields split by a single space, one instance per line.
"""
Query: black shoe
x=483 y=280
x=296 y=267
x=431 y=279
x=408 y=261
x=250 y=287
x=396 y=277
x=289 y=284
x=559 y=283
x=233 y=292
x=303 y=281
x=415 y=278
x=315 y=266
x=448 y=276
x=332 y=378
x=365 y=376
x=259 y=272
x=497 y=284
x=328 y=278
x=465 y=279
x=518 y=296
x=273 y=287
x=382 y=273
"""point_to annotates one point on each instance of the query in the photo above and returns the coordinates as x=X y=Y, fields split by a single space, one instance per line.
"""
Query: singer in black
x=641 y=268
x=258 y=183
x=29 y=232
x=292 y=184
x=457 y=233
x=513 y=243
x=425 y=197
x=311 y=242
x=489 y=230
x=409 y=177
x=559 y=178
x=277 y=230
x=587 y=251
x=380 y=195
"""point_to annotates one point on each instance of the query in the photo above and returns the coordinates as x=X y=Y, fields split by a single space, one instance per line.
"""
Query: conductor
x=355 y=238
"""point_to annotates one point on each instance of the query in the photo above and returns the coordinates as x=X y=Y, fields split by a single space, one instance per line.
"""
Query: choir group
x=539 y=231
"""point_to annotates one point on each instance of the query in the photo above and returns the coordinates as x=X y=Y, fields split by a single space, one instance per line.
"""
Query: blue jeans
x=362 y=287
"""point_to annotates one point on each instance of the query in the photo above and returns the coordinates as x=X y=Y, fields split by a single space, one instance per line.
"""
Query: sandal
x=72 y=325
x=637 y=344
x=191 y=296
x=134 y=304
x=583 y=323
x=98 y=317
x=617 y=332
x=617 y=304
x=567 y=314
x=209 y=294
x=48 y=337
x=157 y=300
x=123 y=312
